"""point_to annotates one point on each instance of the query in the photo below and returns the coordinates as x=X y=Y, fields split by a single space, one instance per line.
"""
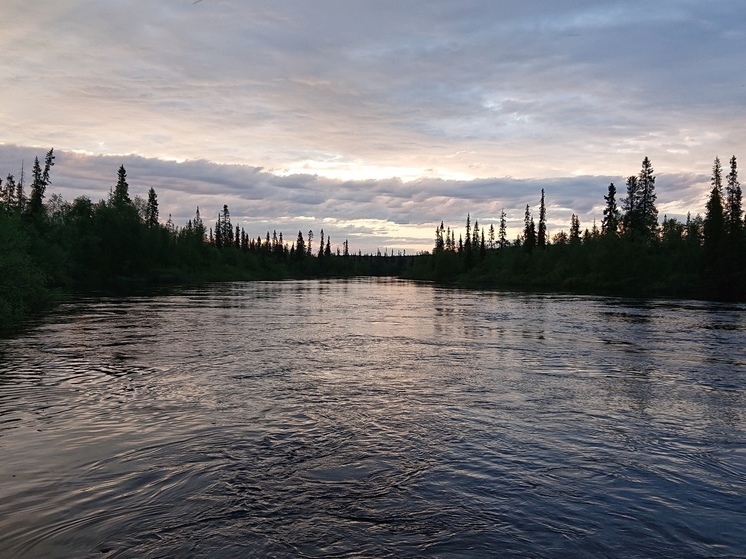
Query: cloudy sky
x=375 y=119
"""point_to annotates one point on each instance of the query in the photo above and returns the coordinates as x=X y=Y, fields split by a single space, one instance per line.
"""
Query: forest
x=50 y=247
x=631 y=253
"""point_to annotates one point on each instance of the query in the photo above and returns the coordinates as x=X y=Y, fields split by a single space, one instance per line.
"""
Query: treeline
x=630 y=254
x=52 y=246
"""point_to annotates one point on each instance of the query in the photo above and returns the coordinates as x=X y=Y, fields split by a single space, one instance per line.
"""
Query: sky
x=374 y=120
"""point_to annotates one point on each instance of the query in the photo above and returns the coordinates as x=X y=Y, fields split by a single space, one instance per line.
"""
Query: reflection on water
x=374 y=418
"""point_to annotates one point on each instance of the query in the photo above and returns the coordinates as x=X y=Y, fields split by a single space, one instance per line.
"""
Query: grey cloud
x=536 y=90
x=260 y=201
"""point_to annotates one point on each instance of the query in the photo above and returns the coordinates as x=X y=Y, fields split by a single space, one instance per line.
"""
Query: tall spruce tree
x=151 y=210
x=120 y=197
x=529 y=231
x=503 y=232
x=541 y=239
x=648 y=210
x=574 y=229
x=611 y=219
x=630 y=205
x=733 y=203
x=36 y=199
x=714 y=227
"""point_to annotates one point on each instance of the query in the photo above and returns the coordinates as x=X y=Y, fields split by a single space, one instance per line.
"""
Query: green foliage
x=23 y=285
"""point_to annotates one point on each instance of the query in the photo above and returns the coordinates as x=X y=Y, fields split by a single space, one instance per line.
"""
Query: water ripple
x=373 y=419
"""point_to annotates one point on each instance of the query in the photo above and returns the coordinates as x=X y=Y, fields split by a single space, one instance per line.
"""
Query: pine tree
x=529 y=231
x=468 y=260
x=151 y=210
x=199 y=227
x=227 y=227
x=541 y=239
x=219 y=232
x=610 y=222
x=439 y=242
x=300 y=246
x=574 y=229
x=120 y=197
x=492 y=236
x=36 y=200
x=467 y=241
x=9 y=194
x=733 y=204
x=714 y=231
x=308 y=244
x=648 y=210
x=503 y=234
x=48 y=163
x=321 y=245
x=20 y=194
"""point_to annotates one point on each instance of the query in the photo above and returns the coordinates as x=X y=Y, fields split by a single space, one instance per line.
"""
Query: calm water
x=374 y=419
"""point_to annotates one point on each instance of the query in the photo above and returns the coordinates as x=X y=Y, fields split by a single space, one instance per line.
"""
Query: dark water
x=374 y=419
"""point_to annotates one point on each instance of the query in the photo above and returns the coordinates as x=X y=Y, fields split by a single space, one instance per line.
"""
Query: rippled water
x=374 y=418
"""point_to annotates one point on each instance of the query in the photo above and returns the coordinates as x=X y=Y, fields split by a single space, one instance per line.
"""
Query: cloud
x=370 y=213
x=315 y=108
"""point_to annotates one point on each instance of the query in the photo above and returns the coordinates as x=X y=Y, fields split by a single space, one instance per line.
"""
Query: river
x=374 y=418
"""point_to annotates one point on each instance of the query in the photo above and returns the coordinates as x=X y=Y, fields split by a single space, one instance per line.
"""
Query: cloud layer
x=299 y=111
x=371 y=214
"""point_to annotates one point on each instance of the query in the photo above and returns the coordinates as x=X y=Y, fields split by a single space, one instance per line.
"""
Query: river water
x=374 y=418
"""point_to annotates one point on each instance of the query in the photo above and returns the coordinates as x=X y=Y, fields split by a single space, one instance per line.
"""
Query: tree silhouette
x=611 y=219
x=151 y=210
x=541 y=239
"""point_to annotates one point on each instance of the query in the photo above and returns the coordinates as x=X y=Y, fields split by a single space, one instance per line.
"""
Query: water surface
x=374 y=418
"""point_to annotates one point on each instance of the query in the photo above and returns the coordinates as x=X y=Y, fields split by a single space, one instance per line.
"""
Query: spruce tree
x=648 y=210
x=300 y=246
x=574 y=229
x=733 y=205
x=541 y=239
x=120 y=197
x=36 y=200
x=226 y=232
x=151 y=210
x=610 y=222
x=714 y=228
x=9 y=194
x=529 y=231
x=503 y=233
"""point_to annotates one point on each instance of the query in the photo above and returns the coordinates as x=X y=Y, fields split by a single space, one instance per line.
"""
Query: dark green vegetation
x=49 y=247
x=631 y=254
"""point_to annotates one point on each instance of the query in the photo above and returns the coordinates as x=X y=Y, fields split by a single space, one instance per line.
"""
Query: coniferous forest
x=50 y=246
x=632 y=253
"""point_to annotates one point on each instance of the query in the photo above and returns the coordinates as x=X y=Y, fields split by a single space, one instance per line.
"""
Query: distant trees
x=640 y=212
x=629 y=254
x=612 y=216
x=733 y=203
x=541 y=239
x=39 y=184
x=529 y=231
x=151 y=210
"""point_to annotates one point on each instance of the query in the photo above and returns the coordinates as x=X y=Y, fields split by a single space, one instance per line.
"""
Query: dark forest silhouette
x=50 y=246
x=631 y=253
